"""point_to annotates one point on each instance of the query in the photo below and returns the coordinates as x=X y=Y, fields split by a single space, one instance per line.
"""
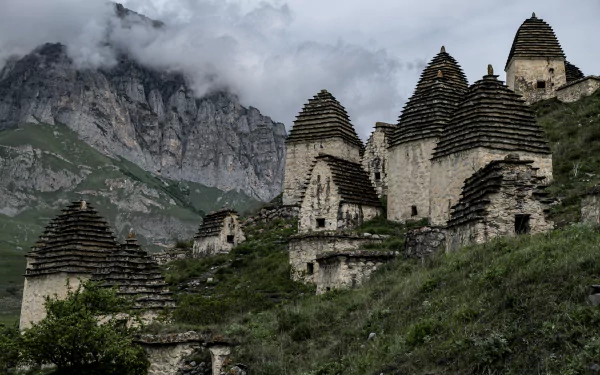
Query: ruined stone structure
x=78 y=245
x=338 y=196
x=218 y=234
x=167 y=353
x=348 y=269
x=537 y=68
x=424 y=241
x=375 y=159
x=590 y=206
x=323 y=126
x=504 y=198
x=304 y=249
x=421 y=123
x=488 y=124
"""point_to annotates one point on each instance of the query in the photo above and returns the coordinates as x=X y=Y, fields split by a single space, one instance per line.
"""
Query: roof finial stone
x=533 y=15
x=490 y=70
x=443 y=49
x=131 y=234
x=440 y=74
x=83 y=205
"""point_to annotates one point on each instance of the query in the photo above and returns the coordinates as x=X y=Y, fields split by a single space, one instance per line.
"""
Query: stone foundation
x=304 y=249
x=425 y=241
x=573 y=91
x=348 y=269
x=168 y=353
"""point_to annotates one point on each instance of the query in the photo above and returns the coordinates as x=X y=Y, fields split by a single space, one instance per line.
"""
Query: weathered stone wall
x=304 y=249
x=348 y=269
x=574 y=91
x=267 y=214
x=165 y=257
x=590 y=209
x=36 y=288
x=449 y=173
x=299 y=160
x=351 y=216
x=168 y=359
x=500 y=220
x=375 y=160
x=425 y=241
x=209 y=246
x=409 y=179
x=523 y=74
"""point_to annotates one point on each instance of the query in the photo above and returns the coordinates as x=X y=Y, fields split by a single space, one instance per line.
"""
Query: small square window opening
x=229 y=239
x=320 y=223
x=413 y=211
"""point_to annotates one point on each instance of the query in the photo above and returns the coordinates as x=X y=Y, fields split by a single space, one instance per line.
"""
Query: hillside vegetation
x=513 y=306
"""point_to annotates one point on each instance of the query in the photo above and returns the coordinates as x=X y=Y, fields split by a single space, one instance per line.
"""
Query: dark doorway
x=377 y=176
x=320 y=223
x=413 y=211
x=310 y=268
x=541 y=84
x=229 y=239
x=521 y=224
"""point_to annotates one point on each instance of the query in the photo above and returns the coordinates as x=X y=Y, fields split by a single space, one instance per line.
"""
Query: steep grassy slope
x=573 y=130
x=44 y=167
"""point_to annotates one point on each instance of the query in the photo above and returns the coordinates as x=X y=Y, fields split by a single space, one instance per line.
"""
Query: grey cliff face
x=150 y=118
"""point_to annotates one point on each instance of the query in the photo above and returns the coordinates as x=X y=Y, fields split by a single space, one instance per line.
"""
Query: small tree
x=9 y=348
x=86 y=333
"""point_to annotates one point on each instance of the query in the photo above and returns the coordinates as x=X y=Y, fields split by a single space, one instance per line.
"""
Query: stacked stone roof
x=474 y=204
x=492 y=116
x=213 y=223
x=79 y=241
x=573 y=72
x=323 y=117
x=440 y=88
x=351 y=180
x=535 y=39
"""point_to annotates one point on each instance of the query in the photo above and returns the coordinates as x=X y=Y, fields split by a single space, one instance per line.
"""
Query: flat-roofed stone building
x=489 y=123
x=420 y=125
x=78 y=245
x=323 y=126
x=337 y=196
x=220 y=232
x=505 y=198
x=375 y=159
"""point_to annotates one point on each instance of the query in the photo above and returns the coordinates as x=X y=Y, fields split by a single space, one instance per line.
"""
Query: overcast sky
x=276 y=54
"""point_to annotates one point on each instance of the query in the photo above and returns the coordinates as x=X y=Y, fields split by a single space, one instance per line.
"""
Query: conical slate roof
x=213 y=223
x=573 y=72
x=450 y=69
x=351 y=180
x=323 y=117
x=77 y=241
x=427 y=112
x=491 y=115
x=535 y=39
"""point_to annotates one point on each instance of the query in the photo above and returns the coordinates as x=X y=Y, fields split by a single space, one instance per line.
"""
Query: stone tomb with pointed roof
x=536 y=67
x=489 y=123
x=505 y=198
x=220 y=232
x=337 y=196
x=375 y=158
x=323 y=126
x=420 y=125
x=78 y=245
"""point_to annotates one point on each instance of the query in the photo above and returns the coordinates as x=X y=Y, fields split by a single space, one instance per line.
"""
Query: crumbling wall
x=213 y=245
x=321 y=201
x=303 y=251
x=574 y=91
x=268 y=214
x=425 y=241
x=165 y=257
x=590 y=208
x=409 y=179
x=448 y=174
x=348 y=269
x=375 y=159
x=37 y=288
x=300 y=157
x=351 y=216
x=523 y=75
